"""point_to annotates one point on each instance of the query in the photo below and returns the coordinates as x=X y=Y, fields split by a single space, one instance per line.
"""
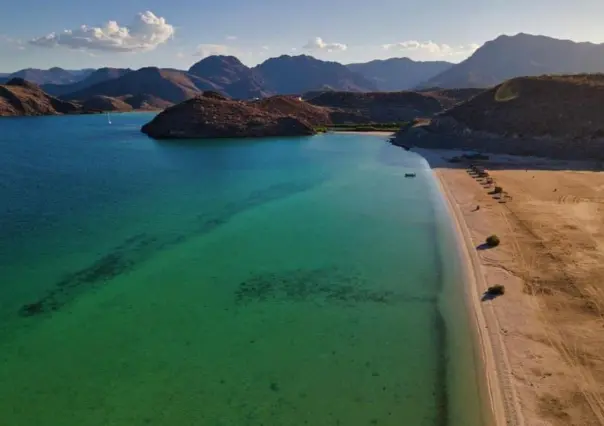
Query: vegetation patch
x=492 y=241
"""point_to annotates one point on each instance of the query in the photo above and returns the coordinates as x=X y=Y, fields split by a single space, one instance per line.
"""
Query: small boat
x=108 y=118
x=409 y=175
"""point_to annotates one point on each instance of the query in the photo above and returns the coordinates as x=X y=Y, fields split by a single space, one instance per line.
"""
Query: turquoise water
x=269 y=282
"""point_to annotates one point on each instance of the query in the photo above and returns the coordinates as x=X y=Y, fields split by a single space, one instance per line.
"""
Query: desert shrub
x=496 y=290
x=493 y=241
x=497 y=190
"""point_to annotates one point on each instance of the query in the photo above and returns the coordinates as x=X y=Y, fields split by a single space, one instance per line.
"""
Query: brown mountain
x=212 y=115
x=547 y=116
x=165 y=84
x=397 y=74
x=20 y=97
x=298 y=74
x=521 y=55
x=97 y=76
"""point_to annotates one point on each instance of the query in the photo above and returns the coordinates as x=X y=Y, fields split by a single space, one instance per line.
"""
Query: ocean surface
x=295 y=281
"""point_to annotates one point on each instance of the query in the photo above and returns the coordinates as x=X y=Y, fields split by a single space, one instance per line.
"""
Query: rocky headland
x=549 y=116
x=20 y=97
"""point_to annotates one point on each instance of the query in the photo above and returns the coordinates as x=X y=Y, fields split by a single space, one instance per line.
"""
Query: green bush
x=496 y=290
x=493 y=241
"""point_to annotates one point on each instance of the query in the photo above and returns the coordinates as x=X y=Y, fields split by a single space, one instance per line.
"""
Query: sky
x=177 y=33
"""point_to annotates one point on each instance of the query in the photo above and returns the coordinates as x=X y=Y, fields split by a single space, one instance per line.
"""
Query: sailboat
x=108 y=118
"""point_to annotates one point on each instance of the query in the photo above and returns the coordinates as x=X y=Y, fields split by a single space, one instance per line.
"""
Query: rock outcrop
x=212 y=116
x=550 y=116
x=20 y=97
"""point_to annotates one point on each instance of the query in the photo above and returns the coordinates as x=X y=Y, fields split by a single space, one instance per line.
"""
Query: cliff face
x=20 y=97
x=214 y=116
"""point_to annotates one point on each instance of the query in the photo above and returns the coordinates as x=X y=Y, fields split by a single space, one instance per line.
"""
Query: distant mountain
x=95 y=77
x=231 y=76
x=397 y=74
x=53 y=75
x=221 y=70
x=20 y=97
x=298 y=74
x=521 y=55
x=168 y=85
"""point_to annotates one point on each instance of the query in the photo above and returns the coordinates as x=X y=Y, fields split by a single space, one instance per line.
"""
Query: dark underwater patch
x=133 y=251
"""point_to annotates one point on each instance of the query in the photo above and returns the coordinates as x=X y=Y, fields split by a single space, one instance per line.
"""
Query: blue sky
x=177 y=33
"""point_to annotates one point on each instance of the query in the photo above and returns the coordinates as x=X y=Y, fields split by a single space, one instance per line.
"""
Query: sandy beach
x=542 y=342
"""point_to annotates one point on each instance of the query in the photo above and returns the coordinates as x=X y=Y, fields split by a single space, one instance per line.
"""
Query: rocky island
x=212 y=115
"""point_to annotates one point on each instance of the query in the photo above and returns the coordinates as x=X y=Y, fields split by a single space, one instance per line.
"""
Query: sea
x=282 y=281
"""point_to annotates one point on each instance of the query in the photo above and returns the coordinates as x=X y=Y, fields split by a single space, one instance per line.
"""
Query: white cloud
x=231 y=37
x=265 y=48
x=430 y=48
x=317 y=43
x=204 y=50
x=145 y=33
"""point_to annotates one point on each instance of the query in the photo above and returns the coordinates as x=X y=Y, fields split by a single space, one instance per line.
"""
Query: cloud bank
x=205 y=50
x=317 y=44
x=431 y=48
x=146 y=33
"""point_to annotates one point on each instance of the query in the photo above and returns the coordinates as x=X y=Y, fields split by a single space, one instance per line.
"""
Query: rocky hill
x=97 y=76
x=146 y=102
x=520 y=55
x=451 y=97
x=215 y=116
x=20 y=97
x=379 y=107
x=397 y=74
x=547 y=116
x=168 y=85
x=104 y=103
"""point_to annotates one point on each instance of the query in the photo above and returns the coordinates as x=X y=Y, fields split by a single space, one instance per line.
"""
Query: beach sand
x=543 y=341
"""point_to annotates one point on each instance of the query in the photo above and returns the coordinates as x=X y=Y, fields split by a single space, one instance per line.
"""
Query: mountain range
x=497 y=60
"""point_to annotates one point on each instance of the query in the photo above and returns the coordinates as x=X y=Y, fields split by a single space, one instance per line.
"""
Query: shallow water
x=278 y=282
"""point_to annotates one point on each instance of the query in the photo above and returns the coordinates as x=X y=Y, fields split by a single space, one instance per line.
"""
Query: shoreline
x=540 y=343
x=499 y=403
x=358 y=132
